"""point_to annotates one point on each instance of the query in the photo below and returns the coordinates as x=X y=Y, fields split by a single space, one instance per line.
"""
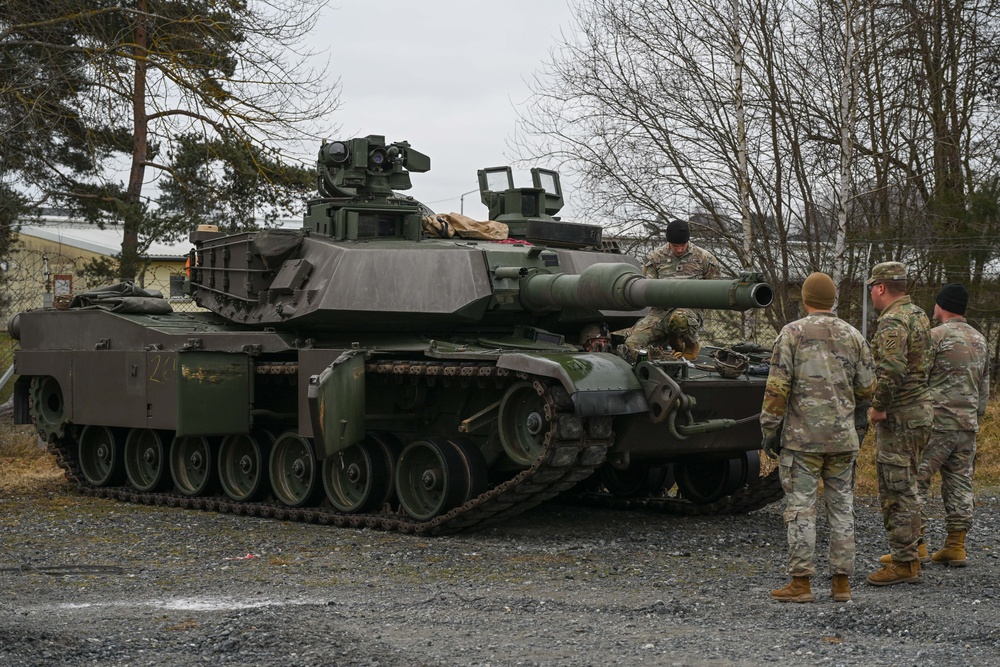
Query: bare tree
x=867 y=127
x=645 y=105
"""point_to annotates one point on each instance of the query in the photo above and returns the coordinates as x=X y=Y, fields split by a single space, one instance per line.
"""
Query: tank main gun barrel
x=621 y=287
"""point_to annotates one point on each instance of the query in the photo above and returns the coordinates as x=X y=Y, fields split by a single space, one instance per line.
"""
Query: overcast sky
x=445 y=75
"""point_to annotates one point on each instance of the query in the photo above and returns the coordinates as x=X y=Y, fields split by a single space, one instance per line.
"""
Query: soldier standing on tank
x=821 y=370
x=960 y=389
x=902 y=414
x=679 y=259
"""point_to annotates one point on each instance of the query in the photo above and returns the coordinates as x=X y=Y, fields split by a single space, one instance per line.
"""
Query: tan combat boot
x=841 y=588
x=796 y=591
x=896 y=573
x=921 y=550
x=922 y=554
x=953 y=552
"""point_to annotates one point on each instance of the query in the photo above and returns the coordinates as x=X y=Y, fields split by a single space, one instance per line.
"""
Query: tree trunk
x=848 y=105
x=133 y=210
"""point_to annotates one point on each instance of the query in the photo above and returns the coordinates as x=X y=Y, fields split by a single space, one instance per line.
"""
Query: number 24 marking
x=163 y=368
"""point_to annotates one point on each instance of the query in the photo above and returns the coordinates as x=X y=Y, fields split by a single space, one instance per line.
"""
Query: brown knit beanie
x=818 y=291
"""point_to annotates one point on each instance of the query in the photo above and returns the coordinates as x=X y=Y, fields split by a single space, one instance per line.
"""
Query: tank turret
x=361 y=262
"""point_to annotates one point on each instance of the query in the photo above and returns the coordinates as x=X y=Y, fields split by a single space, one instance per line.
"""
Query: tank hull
x=200 y=378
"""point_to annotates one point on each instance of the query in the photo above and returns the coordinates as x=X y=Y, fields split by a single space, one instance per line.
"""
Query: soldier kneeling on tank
x=677 y=328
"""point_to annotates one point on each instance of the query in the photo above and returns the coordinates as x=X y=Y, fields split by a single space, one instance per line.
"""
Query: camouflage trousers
x=899 y=443
x=676 y=327
x=800 y=473
x=954 y=454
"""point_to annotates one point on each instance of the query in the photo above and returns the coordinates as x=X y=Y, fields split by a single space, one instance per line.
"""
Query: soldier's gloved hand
x=771 y=446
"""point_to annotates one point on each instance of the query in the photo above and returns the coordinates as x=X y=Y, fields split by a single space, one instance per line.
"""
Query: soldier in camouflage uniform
x=681 y=260
x=960 y=388
x=821 y=371
x=901 y=413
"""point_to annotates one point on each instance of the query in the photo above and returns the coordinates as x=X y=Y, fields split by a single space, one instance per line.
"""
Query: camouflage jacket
x=960 y=376
x=821 y=368
x=696 y=263
x=902 y=347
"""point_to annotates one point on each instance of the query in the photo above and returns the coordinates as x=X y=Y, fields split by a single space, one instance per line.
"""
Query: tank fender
x=337 y=404
x=598 y=383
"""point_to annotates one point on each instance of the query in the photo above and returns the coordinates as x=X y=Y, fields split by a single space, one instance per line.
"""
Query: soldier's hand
x=771 y=446
x=876 y=416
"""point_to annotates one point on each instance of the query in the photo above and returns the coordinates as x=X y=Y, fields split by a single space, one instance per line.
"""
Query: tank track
x=570 y=454
x=752 y=496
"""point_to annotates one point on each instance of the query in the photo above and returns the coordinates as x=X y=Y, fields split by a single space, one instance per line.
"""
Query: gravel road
x=95 y=582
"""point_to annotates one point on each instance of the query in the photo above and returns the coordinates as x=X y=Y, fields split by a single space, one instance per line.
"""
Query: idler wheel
x=146 y=463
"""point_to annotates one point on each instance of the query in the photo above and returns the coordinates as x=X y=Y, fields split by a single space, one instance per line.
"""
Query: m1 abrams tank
x=361 y=371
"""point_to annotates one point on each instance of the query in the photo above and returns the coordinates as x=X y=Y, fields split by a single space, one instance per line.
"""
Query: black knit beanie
x=954 y=298
x=678 y=232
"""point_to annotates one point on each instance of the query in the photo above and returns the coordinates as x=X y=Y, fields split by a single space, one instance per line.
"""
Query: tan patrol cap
x=887 y=271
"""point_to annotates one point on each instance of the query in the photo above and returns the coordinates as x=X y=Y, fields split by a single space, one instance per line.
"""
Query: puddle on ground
x=179 y=604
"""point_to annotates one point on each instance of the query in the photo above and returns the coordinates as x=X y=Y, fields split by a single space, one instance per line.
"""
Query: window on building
x=177 y=286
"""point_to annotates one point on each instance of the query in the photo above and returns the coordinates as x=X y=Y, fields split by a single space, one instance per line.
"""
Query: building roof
x=107 y=241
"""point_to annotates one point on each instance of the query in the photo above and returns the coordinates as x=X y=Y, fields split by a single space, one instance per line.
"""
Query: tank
x=384 y=366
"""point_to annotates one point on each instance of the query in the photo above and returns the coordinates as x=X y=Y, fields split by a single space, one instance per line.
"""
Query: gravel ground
x=96 y=582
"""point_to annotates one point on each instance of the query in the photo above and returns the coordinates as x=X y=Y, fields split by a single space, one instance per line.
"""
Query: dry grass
x=987 y=474
x=7 y=347
x=24 y=466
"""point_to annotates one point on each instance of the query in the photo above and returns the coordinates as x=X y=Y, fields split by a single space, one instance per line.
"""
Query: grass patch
x=24 y=466
x=7 y=347
x=987 y=475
